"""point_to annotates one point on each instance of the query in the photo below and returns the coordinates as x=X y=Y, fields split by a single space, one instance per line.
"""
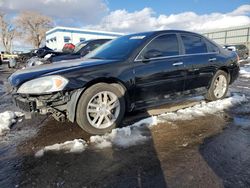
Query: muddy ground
x=212 y=151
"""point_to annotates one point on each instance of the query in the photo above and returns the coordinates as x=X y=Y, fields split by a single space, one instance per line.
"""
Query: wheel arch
x=72 y=105
x=225 y=69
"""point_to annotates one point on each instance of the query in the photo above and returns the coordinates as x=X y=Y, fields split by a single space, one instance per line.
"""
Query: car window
x=119 y=48
x=193 y=44
x=96 y=44
x=167 y=45
x=212 y=47
x=80 y=46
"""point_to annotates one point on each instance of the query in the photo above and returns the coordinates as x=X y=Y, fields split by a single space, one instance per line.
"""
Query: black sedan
x=129 y=73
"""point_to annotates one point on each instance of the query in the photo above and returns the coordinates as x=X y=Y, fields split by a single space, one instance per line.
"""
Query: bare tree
x=33 y=26
x=8 y=32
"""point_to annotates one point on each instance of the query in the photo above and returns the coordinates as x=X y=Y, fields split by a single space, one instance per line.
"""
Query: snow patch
x=126 y=136
x=7 y=119
x=202 y=109
x=242 y=122
x=139 y=132
x=75 y=146
x=245 y=72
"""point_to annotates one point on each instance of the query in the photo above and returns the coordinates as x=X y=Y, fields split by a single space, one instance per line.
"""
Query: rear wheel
x=219 y=86
x=100 y=109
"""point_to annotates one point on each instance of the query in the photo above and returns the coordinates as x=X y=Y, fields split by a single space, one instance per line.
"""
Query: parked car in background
x=240 y=49
x=129 y=73
x=81 y=49
x=5 y=57
x=35 y=55
x=23 y=57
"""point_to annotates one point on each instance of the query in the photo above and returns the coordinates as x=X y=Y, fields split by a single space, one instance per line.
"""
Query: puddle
x=242 y=122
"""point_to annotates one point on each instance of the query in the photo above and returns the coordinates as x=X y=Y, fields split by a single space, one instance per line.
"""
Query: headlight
x=46 y=84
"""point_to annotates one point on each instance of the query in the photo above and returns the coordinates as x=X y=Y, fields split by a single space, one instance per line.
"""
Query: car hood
x=21 y=76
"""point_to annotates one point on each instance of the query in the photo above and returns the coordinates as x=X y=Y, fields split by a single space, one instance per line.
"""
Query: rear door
x=199 y=61
x=156 y=78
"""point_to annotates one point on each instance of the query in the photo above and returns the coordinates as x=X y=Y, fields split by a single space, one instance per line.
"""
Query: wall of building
x=57 y=37
x=236 y=35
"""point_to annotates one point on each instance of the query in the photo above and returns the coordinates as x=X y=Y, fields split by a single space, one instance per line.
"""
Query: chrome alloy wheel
x=103 y=109
x=220 y=86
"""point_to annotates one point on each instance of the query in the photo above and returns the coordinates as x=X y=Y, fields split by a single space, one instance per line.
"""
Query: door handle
x=212 y=59
x=178 y=64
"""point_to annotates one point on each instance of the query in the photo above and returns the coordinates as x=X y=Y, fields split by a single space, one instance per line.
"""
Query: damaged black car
x=132 y=72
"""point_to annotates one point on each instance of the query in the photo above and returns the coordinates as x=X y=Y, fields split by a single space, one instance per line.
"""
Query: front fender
x=72 y=104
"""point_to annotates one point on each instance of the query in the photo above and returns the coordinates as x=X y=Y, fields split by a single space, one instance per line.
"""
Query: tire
x=91 y=96
x=212 y=93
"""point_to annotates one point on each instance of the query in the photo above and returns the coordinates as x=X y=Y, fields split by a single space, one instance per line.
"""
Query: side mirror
x=152 y=54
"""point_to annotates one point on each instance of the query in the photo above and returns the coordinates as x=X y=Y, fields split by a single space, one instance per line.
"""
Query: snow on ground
x=126 y=136
x=202 y=109
x=131 y=135
x=7 y=119
x=75 y=146
x=245 y=71
x=139 y=131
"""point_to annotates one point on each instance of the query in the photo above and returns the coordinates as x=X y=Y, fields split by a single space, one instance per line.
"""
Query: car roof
x=91 y=40
x=164 y=31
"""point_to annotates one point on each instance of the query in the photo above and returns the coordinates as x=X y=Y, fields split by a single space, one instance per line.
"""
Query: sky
x=137 y=15
x=131 y=16
x=178 y=6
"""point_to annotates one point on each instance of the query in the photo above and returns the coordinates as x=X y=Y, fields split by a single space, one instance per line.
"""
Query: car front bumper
x=61 y=105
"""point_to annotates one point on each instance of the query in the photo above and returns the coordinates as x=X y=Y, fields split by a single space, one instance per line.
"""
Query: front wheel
x=219 y=86
x=100 y=109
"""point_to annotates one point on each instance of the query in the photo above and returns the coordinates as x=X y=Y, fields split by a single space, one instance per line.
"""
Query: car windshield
x=79 y=46
x=119 y=48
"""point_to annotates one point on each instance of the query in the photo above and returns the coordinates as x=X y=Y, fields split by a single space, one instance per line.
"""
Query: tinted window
x=90 y=47
x=80 y=46
x=212 y=47
x=119 y=48
x=193 y=44
x=167 y=45
x=96 y=44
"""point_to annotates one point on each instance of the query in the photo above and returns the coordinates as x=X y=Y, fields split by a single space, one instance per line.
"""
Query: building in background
x=58 y=36
x=236 y=35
